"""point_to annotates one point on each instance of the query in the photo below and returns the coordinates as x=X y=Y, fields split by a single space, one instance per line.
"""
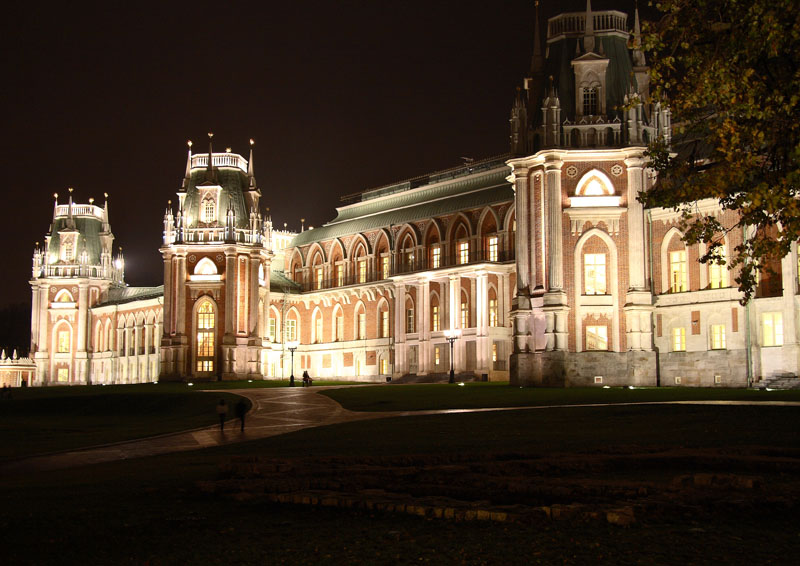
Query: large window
x=464 y=314
x=493 y=319
x=717 y=336
x=362 y=271
x=679 y=339
x=291 y=330
x=718 y=274
x=205 y=338
x=339 y=326
x=410 y=323
x=590 y=101
x=272 y=329
x=436 y=257
x=597 y=338
x=63 y=341
x=339 y=275
x=491 y=245
x=385 y=267
x=772 y=326
x=594 y=274
x=69 y=251
x=318 y=328
x=463 y=253
x=362 y=326
x=678 y=274
x=208 y=211
x=435 y=318
x=318 y=273
x=385 y=324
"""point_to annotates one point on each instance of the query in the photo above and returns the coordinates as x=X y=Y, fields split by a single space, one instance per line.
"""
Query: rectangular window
x=319 y=277
x=62 y=375
x=494 y=351
x=493 y=319
x=385 y=324
x=718 y=274
x=410 y=324
x=464 y=315
x=291 y=330
x=362 y=326
x=362 y=271
x=384 y=366
x=271 y=332
x=594 y=274
x=590 y=101
x=436 y=257
x=717 y=336
x=679 y=339
x=339 y=275
x=385 y=267
x=492 y=248
x=773 y=329
x=678 y=276
x=463 y=253
x=409 y=257
x=437 y=356
x=435 y=318
x=597 y=338
x=63 y=342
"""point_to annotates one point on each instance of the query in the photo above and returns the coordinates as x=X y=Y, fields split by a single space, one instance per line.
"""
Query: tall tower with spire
x=214 y=260
x=72 y=272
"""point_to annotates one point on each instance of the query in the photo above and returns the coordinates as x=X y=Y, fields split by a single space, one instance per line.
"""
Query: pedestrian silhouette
x=241 y=411
x=222 y=411
x=307 y=381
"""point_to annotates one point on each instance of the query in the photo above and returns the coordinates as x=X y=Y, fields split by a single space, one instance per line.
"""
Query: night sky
x=340 y=97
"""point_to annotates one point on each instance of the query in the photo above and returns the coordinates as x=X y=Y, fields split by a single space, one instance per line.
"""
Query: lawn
x=149 y=511
x=498 y=394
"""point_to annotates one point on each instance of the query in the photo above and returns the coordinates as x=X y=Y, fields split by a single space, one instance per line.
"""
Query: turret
x=551 y=118
x=519 y=126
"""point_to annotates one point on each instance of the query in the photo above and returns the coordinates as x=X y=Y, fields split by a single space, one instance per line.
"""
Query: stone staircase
x=780 y=381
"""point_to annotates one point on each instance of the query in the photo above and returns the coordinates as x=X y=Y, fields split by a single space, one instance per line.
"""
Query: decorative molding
x=572 y=171
x=578 y=217
x=616 y=170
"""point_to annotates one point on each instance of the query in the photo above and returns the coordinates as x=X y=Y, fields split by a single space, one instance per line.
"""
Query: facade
x=539 y=267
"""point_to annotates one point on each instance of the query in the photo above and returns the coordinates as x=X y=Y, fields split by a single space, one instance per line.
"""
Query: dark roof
x=234 y=183
x=122 y=295
x=89 y=240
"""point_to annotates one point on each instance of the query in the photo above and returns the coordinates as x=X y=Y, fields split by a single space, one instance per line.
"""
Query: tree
x=730 y=70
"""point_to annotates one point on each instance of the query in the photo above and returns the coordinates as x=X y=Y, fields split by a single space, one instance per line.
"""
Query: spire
x=70 y=219
x=588 y=37
x=638 y=54
x=251 y=167
x=537 y=62
x=188 y=173
x=210 y=177
x=55 y=207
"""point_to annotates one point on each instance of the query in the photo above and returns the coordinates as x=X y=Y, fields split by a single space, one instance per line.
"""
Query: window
x=362 y=326
x=597 y=338
x=494 y=351
x=493 y=312
x=205 y=337
x=436 y=257
x=385 y=267
x=463 y=253
x=385 y=324
x=339 y=275
x=679 y=339
x=209 y=211
x=594 y=274
x=271 y=332
x=435 y=318
x=319 y=277
x=409 y=259
x=384 y=366
x=678 y=278
x=772 y=326
x=718 y=274
x=69 y=251
x=362 y=271
x=464 y=315
x=717 y=336
x=437 y=355
x=410 y=324
x=590 y=101
x=492 y=248
x=291 y=330
x=318 y=329
x=62 y=374
x=63 y=341
x=339 y=326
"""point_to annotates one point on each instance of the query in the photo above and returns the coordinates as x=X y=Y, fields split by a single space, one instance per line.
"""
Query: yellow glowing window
x=362 y=271
x=492 y=248
x=594 y=271
x=62 y=375
x=436 y=257
x=679 y=339
x=717 y=336
x=69 y=251
x=291 y=330
x=272 y=329
x=384 y=366
x=463 y=253
x=384 y=324
x=409 y=259
x=464 y=315
x=772 y=326
x=318 y=328
x=339 y=275
x=493 y=318
x=718 y=274
x=410 y=322
x=494 y=351
x=339 y=326
x=678 y=276
x=597 y=338
x=209 y=212
x=435 y=318
x=362 y=325
x=319 y=277
x=385 y=267
x=205 y=337
x=437 y=356
x=63 y=340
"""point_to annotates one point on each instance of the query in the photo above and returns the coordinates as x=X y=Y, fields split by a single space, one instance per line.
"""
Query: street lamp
x=292 y=346
x=452 y=335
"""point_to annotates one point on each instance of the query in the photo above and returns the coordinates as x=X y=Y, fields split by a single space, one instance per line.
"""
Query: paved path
x=275 y=411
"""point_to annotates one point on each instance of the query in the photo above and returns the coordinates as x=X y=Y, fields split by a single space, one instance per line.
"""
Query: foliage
x=730 y=71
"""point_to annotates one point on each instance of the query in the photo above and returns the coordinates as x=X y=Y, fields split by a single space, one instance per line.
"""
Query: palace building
x=539 y=267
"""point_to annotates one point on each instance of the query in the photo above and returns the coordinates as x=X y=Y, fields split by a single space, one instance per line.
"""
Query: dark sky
x=339 y=96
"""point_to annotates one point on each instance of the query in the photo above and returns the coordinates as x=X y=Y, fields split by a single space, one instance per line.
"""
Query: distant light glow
x=190 y=384
x=461 y=384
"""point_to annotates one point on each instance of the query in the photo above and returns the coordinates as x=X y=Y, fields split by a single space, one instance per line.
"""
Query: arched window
x=208 y=211
x=205 y=267
x=63 y=339
x=361 y=323
x=206 y=327
x=317 y=327
x=64 y=296
x=338 y=326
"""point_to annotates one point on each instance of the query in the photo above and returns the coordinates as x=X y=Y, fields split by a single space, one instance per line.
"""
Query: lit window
x=318 y=328
x=63 y=341
x=597 y=338
x=464 y=315
x=410 y=323
x=590 y=101
x=435 y=318
x=362 y=326
x=319 y=277
x=494 y=351
x=291 y=330
x=463 y=253
x=679 y=339
x=63 y=374
x=493 y=312
x=409 y=259
x=436 y=257
x=209 y=211
x=271 y=332
x=384 y=366
x=339 y=275
x=385 y=324
x=594 y=270
x=437 y=355
x=718 y=274
x=339 y=326
x=69 y=251
x=773 y=329
x=385 y=267
x=362 y=271
x=492 y=248
x=205 y=337
x=717 y=336
x=678 y=276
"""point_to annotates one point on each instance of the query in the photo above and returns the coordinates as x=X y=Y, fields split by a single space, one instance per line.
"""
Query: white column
x=424 y=325
x=230 y=292
x=252 y=329
x=181 y=295
x=554 y=239
x=169 y=321
x=400 y=361
x=83 y=310
x=523 y=233
x=454 y=295
x=482 y=303
x=636 y=235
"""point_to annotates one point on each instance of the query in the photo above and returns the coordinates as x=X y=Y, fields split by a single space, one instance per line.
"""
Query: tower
x=214 y=261
x=72 y=272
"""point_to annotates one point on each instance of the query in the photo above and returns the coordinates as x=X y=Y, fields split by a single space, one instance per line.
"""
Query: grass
x=148 y=511
x=38 y=420
x=499 y=394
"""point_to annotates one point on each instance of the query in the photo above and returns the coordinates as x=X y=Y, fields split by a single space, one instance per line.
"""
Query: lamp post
x=292 y=346
x=452 y=335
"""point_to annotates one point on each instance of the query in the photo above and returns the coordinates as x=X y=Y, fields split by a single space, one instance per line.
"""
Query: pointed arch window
x=206 y=327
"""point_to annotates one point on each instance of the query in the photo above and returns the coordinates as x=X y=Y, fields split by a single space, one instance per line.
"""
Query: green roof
x=234 y=183
x=121 y=295
x=89 y=239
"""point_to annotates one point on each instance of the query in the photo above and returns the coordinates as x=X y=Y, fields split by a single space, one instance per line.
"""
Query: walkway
x=275 y=411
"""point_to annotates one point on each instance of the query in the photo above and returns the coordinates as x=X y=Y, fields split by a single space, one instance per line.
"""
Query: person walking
x=241 y=411
x=222 y=411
